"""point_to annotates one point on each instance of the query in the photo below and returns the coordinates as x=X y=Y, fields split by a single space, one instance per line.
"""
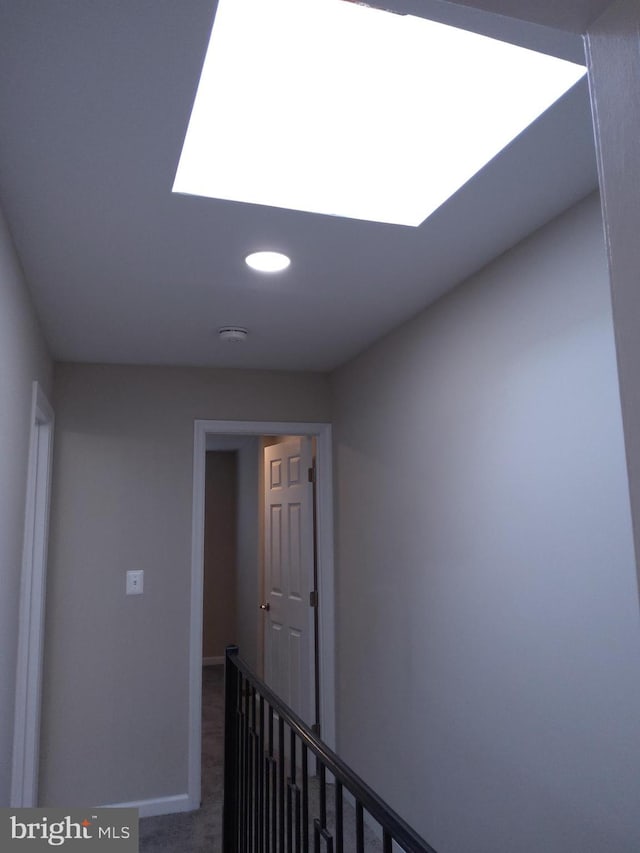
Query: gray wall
x=23 y=358
x=488 y=632
x=220 y=553
x=116 y=684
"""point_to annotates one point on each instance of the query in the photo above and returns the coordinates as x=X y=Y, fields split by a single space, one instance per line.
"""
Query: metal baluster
x=247 y=770
x=305 y=799
x=272 y=768
x=253 y=768
x=281 y=782
x=320 y=832
x=267 y=800
x=359 y=827
x=242 y=805
x=323 y=831
x=387 y=844
x=240 y=780
x=271 y=797
x=291 y=789
x=230 y=807
x=274 y=809
x=289 y=817
x=339 y=830
x=260 y=767
x=323 y=797
x=298 y=839
x=240 y=764
x=316 y=836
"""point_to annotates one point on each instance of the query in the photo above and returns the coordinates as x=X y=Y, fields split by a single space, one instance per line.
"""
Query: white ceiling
x=94 y=103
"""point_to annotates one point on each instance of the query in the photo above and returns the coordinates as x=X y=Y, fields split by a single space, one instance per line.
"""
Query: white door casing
x=26 y=734
x=288 y=539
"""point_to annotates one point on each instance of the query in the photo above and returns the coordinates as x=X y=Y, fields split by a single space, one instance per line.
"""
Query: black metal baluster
x=230 y=806
x=269 y=792
x=281 y=783
x=316 y=836
x=387 y=843
x=241 y=789
x=240 y=765
x=241 y=803
x=274 y=781
x=323 y=797
x=247 y=770
x=267 y=803
x=324 y=834
x=359 y=827
x=323 y=829
x=305 y=799
x=274 y=809
x=298 y=838
x=289 y=816
x=339 y=828
x=249 y=766
x=260 y=767
x=291 y=789
x=253 y=768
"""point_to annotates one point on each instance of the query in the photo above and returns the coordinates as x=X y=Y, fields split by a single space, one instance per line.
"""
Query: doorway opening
x=224 y=536
x=223 y=435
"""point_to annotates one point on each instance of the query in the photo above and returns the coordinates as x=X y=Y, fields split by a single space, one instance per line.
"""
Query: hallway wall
x=488 y=628
x=115 y=722
x=219 y=618
x=23 y=358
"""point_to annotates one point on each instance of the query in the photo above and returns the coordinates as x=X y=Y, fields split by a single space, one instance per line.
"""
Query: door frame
x=324 y=463
x=26 y=734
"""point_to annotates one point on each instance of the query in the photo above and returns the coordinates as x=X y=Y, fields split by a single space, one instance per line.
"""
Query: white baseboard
x=160 y=806
x=215 y=661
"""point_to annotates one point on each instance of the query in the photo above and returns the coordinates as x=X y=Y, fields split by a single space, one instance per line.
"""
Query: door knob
x=266 y=606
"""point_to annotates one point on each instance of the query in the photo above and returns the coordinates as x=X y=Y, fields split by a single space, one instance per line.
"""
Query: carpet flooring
x=201 y=831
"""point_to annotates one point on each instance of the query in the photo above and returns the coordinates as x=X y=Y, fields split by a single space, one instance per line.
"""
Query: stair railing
x=285 y=791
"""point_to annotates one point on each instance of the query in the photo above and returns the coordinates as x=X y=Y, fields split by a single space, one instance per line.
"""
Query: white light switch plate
x=135 y=582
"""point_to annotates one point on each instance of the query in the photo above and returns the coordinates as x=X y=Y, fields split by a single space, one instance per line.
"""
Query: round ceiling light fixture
x=232 y=334
x=268 y=261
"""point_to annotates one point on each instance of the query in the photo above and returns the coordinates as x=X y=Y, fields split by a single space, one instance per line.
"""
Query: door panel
x=296 y=567
x=275 y=549
x=289 y=636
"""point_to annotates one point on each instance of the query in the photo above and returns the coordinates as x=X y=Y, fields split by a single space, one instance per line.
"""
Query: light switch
x=135 y=582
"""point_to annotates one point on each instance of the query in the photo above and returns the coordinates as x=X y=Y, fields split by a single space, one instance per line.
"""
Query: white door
x=289 y=632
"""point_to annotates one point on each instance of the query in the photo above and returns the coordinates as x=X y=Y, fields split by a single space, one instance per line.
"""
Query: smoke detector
x=233 y=334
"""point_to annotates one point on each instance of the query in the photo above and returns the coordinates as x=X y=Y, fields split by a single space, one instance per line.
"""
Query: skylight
x=336 y=108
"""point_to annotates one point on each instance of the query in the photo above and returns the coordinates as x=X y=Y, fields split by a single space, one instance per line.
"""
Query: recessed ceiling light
x=296 y=109
x=268 y=261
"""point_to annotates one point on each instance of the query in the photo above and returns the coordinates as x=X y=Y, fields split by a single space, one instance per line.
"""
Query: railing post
x=230 y=815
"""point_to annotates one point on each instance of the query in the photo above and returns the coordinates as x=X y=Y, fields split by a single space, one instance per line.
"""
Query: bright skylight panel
x=331 y=107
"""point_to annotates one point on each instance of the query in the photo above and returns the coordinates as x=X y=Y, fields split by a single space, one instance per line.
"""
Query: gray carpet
x=201 y=831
